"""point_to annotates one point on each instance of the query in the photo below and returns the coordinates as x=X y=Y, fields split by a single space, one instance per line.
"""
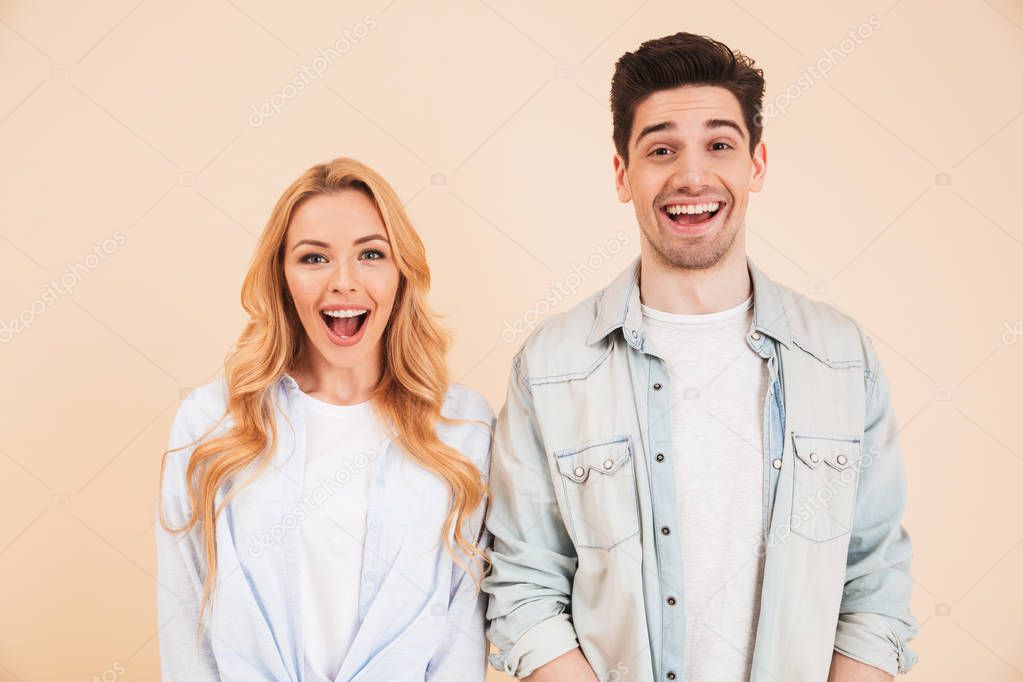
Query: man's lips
x=692 y=214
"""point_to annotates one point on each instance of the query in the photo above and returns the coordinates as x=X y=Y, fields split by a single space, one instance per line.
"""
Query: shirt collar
x=619 y=307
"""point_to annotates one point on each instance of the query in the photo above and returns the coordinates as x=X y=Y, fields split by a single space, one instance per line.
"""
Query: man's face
x=690 y=173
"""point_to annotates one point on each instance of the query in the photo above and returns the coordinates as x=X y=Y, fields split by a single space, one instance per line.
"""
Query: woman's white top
x=343 y=443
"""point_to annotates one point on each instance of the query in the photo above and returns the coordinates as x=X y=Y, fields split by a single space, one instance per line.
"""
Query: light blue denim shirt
x=420 y=615
x=584 y=503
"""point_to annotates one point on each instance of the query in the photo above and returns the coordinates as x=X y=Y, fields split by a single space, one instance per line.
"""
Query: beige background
x=136 y=172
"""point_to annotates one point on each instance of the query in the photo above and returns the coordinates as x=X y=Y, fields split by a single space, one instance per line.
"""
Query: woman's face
x=342 y=276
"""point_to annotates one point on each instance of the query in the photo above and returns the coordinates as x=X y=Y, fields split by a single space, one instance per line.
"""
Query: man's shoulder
x=564 y=345
x=822 y=329
x=560 y=345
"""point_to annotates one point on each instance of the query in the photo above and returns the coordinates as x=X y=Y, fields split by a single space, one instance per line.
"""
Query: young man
x=696 y=475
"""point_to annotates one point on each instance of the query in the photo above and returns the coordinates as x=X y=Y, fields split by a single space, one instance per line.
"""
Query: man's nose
x=689 y=172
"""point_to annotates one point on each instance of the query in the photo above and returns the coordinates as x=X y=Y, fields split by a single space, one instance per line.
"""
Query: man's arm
x=533 y=559
x=875 y=622
x=845 y=669
x=570 y=667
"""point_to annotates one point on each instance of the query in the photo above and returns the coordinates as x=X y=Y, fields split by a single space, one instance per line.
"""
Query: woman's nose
x=344 y=279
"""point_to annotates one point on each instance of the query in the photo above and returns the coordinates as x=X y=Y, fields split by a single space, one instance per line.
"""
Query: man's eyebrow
x=655 y=128
x=712 y=123
x=709 y=124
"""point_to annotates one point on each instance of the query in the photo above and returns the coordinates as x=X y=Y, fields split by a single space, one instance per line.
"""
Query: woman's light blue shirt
x=421 y=617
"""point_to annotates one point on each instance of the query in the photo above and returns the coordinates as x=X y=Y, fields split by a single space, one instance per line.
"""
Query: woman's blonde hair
x=409 y=396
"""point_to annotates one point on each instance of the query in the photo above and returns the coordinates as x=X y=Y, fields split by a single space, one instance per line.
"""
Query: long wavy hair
x=409 y=396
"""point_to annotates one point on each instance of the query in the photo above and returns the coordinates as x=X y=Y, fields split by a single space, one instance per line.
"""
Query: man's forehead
x=700 y=102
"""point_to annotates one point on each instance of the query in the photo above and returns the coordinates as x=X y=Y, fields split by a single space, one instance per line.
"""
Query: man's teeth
x=691 y=209
x=344 y=313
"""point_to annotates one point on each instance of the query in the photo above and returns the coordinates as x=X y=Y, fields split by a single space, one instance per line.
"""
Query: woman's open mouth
x=345 y=325
x=692 y=217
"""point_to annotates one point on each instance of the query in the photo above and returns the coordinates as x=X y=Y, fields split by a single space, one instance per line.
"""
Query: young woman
x=322 y=504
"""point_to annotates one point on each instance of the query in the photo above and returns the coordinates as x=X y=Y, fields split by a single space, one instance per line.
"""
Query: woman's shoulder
x=205 y=403
x=471 y=434
x=462 y=402
x=200 y=409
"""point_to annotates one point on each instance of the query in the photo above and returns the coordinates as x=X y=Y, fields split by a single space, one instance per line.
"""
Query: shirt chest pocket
x=599 y=484
x=825 y=479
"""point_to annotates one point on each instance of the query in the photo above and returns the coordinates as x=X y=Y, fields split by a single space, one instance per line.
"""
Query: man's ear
x=622 y=180
x=759 y=169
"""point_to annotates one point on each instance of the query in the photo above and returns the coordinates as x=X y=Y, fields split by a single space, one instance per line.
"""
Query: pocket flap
x=838 y=452
x=604 y=458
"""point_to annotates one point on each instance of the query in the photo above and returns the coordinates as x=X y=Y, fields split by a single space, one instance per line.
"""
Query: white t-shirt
x=717 y=389
x=343 y=443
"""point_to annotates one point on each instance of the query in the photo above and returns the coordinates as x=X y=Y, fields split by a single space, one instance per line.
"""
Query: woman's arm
x=183 y=655
x=462 y=655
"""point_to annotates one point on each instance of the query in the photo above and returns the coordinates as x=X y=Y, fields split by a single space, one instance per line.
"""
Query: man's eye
x=306 y=258
x=658 y=150
x=720 y=146
x=372 y=254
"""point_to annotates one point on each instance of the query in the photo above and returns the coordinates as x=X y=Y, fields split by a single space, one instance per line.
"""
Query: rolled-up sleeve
x=875 y=622
x=533 y=559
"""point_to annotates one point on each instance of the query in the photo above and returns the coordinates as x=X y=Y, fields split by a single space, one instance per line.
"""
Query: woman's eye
x=307 y=258
x=720 y=146
x=371 y=254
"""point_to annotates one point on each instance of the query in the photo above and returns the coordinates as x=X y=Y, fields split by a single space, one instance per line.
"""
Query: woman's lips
x=342 y=340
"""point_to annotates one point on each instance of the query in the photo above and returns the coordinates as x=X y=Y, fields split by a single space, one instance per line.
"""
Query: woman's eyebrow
x=314 y=242
x=325 y=245
x=370 y=238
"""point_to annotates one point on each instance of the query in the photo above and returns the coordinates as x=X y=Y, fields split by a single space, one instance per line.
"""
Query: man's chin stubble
x=699 y=258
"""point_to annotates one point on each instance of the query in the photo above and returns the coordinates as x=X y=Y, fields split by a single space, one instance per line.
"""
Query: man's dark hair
x=677 y=60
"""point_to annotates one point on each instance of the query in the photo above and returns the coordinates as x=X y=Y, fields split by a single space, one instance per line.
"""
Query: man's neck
x=682 y=291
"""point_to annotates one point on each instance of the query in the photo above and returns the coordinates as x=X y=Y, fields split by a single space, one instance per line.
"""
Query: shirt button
x=814 y=458
x=755 y=336
x=608 y=463
x=776 y=464
x=660 y=457
x=841 y=459
x=665 y=531
x=579 y=471
x=657 y=387
x=671 y=601
x=634 y=333
x=670 y=675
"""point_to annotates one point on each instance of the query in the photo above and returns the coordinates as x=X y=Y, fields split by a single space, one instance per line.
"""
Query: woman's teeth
x=345 y=323
x=343 y=313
